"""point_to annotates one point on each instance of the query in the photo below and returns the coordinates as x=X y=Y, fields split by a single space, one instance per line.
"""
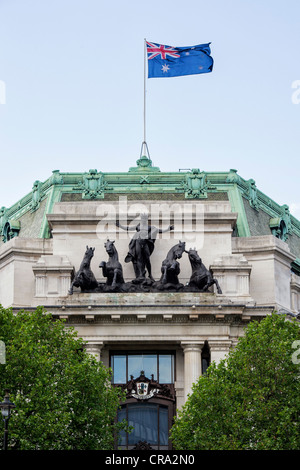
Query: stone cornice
x=263 y=245
x=140 y=312
x=24 y=248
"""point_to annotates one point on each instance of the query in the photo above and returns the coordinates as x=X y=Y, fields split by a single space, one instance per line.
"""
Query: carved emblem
x=196 y=185
x=143 y=388
x=92 y=186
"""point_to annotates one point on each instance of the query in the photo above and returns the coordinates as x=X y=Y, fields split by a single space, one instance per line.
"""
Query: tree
x=251 y=399
x=63 y=396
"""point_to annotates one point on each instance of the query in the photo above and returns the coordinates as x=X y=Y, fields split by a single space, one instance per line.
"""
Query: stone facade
x=254 y=273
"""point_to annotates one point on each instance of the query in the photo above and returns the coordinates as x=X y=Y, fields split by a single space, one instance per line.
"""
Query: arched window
x=150 y=423
x=279 y=228
x=10 y=230
x=148 y=378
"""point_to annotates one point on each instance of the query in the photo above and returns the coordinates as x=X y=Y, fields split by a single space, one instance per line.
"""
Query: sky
x=72 y=91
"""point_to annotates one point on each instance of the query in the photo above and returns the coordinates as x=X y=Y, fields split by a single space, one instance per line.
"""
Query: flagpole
x=144 y=90
x=144 y=150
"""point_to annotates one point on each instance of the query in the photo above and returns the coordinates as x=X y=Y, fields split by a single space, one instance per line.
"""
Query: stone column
x=295 y=293
x=218 y=349
x=94 y=348
x=192 y=364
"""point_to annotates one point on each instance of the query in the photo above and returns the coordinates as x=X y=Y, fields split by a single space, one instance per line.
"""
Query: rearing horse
x=84 y=277
x=170 y=267
x=112 y=269
x=201 y=277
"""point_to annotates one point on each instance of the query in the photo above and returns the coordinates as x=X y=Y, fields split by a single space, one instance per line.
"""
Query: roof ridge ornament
x=144 y=163
x=36 y=196
x=252 y=194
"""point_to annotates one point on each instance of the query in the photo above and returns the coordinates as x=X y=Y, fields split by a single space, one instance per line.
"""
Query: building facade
x=69 y=245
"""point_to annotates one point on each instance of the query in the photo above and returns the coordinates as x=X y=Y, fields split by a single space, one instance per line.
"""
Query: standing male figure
x=141 y=246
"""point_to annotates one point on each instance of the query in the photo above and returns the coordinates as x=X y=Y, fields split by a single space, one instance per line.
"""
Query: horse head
x=89 y=252
x=193 y=255
x=110 y=247
x=179 y=249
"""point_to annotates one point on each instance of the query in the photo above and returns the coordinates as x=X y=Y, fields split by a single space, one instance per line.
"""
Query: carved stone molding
x=219 y=345
x=142 y=445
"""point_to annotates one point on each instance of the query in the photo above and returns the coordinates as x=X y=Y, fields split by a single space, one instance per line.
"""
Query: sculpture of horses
x=170 y=267
x=112 y=269
x=84 y=277
x=201 y=277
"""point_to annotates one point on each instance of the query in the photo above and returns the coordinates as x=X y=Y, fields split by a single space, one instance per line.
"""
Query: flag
x=167 y=61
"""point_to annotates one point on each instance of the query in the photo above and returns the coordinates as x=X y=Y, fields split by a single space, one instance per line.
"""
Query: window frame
x=158 y=402
x=156 y=352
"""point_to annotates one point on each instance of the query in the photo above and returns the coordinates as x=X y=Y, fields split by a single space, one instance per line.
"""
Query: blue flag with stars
x=167 y=61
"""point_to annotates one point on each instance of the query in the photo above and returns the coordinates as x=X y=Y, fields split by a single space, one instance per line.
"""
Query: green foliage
x=251 y=399
x=63 y=396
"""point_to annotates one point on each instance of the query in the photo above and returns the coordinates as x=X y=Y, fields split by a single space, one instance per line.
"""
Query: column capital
x=94 y=348
x=219 y=349
x=192 y=345
x=219 y=345
x=96 y=344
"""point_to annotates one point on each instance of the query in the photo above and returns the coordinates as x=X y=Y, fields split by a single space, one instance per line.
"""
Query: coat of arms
x=141 y=388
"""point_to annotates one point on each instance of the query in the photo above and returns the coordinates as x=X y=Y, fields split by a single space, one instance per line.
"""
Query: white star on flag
x=165 y=68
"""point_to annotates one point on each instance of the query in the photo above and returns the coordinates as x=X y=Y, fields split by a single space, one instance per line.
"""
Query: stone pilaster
x=192 y=364
x=94 y=348
x=295 y=293
x=218 y=349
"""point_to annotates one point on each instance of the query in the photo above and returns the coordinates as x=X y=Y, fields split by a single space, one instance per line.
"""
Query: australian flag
x=167 y=61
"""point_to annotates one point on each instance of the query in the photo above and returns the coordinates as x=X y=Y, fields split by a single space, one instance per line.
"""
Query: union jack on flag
x=155 y=50
x=167 y=61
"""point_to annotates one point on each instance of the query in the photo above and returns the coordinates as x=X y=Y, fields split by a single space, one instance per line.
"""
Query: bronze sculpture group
x=140 y=249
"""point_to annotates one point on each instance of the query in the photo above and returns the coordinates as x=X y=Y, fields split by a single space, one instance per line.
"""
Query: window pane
x=150 y=365
x=163 y=425
x=144 y=418
x=166 y=375
x=118 y=365
x=145 y=362
x=205 y=364
x=122 y=434
x=135 y=365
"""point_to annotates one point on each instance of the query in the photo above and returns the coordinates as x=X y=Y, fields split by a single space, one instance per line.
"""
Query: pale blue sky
x=74 y=71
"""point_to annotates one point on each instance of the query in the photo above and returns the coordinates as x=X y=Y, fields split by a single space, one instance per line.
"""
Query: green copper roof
x=257 y=213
